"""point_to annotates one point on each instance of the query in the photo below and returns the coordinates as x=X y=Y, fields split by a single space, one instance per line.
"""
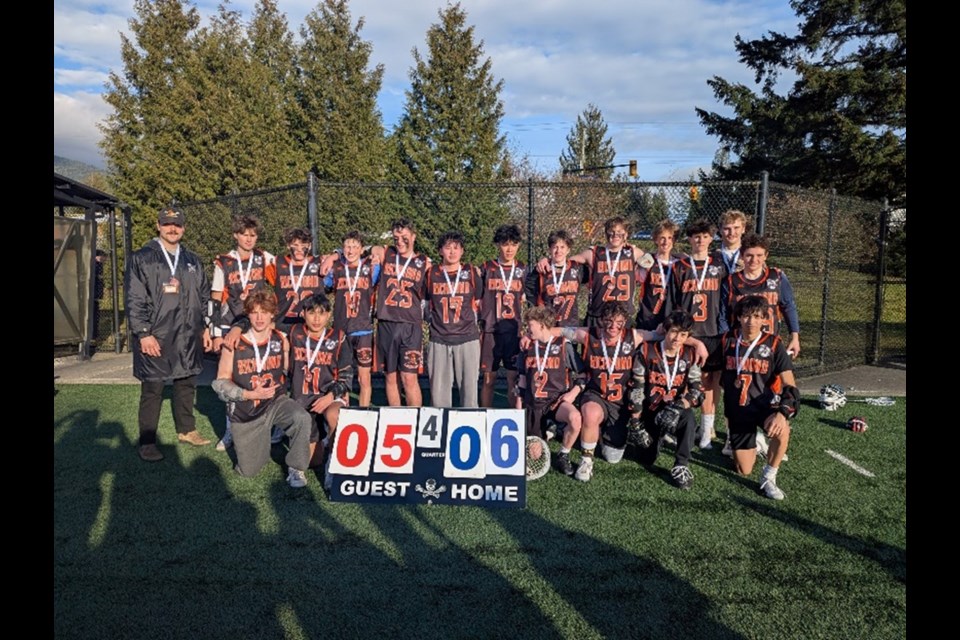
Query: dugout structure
x=88 y=224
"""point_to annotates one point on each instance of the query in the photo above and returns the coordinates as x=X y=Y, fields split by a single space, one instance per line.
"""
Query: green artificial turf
x=185 y=548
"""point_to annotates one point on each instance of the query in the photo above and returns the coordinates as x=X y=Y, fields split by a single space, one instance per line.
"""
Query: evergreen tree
x=842 y=124
x=343 y=129
x=589 y=146
x=148 y=154
x=450 y=133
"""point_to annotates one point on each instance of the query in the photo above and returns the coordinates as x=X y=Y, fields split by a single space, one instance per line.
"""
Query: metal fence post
x=312 y=210
x=762 y=203
x=831 y=213
x=127 y=252
x=881 y=275
x=530 y=214
x=114 y=277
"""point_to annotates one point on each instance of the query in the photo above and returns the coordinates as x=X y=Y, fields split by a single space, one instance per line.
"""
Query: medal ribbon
x=312 y=357
x=747 y=354
x=536 y=354
x=456 y=280
x=611 y=364
x=703 y=275
x=166 y=256
x=666 y=366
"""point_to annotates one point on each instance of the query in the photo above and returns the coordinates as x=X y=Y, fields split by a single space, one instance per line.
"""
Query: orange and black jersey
x=331 y=362
x=656 y=370
x=229 y=270
x=614 y=276
x=772 y=286
x=352 y=312
x=561 y=295
x=453 y=315
x=609 y=373
x=654 y=293
x=698 y=293
x=293 y=284
x=562 y=367
x=246 y=375
x=402 y=287
x=748 y=394
x=500 y=310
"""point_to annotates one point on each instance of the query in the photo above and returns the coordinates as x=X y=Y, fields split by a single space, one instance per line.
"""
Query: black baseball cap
x=170 y=216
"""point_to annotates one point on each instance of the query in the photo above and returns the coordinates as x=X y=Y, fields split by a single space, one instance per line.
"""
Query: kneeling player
x=549 y=381
x=251 y=380
x=608 y=360
x=758 y=391
x=321 y=370
x=666 y=380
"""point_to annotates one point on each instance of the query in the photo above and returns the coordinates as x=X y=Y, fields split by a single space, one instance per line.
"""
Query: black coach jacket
x=176 y=320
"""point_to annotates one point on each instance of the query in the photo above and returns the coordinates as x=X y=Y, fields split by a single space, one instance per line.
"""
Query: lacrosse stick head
x=538 y=457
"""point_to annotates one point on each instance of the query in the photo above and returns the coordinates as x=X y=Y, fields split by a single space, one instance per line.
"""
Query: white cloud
x=645 y=64
x=75 y=133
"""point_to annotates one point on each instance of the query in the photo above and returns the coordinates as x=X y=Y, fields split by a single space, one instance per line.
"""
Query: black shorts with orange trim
x=400 y=346
x=360 y=349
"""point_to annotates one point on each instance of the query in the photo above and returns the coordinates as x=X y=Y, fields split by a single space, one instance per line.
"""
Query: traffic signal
x=633 y=168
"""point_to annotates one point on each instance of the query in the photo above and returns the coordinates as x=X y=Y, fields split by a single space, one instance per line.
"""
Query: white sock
x=564 y=449
x=588 y=448
x=707 y=421
x=769 y=473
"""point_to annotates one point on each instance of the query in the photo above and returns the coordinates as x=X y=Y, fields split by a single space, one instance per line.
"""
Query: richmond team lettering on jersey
x=613 y=279
x=353 y=311
x=560 y=365
x=453 y=317
x=560 y=294
x=229 y=271
x=609 y=381
x=767 y=286
x=245 y=374
x=293 y=284
x=654 y=293
x=500 y=309
x=401 y=288
x=701 y=299
x=656 y=372
x=309 y=381
x=759 y=376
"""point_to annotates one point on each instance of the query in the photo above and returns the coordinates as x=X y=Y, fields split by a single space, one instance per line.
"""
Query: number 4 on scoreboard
x=430 y=429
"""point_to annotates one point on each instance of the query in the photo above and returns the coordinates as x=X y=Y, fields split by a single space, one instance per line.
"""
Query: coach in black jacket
x=166 y=294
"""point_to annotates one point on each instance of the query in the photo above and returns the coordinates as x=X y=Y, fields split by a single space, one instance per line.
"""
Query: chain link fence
x=835 y=250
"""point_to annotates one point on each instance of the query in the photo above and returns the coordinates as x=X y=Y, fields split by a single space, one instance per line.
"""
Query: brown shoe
x=193 y=438
x=150 y=453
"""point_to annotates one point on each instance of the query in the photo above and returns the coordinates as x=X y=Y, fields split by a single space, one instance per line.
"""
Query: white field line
x=850 y=463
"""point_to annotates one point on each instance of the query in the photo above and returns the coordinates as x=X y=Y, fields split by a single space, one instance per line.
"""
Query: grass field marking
x=101 y=523
x=850 y=463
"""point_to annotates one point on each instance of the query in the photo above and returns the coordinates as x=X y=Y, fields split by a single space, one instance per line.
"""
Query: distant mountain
x=74 y=169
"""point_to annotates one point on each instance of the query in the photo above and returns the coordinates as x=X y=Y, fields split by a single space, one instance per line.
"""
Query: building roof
x=70 y=193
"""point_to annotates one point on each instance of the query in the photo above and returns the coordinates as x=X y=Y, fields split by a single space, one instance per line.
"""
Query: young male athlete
x=400 y=292
x=559 y=286
x=236 y=274
x=695 y=288
x=320 y=371
x=251 y=379
x=353 y=280
x=733 y=224
x=549 y=382
x=657 y=278
x=667 y=386
x=500 y=310
x=759 y=391
x=614 y=270
x=296 y=277
x=605 y=405
x=453 y=294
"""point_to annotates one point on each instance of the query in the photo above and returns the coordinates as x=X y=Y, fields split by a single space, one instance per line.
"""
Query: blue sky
x=644 y=63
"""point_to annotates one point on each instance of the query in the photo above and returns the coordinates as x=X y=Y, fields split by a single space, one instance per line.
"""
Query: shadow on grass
x=892 y=559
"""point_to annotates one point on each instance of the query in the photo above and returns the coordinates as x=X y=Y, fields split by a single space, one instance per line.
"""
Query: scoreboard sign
x=430 y=456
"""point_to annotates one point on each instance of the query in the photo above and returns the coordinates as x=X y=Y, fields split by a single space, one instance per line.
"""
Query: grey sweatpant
x=251 y=440
x=449 y=363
